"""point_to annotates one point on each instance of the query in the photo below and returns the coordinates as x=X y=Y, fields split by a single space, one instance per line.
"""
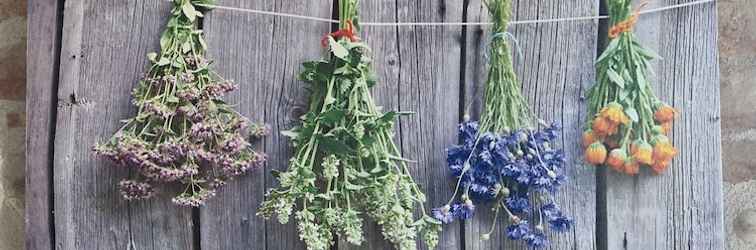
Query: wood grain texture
x=555 y=68
x=43 y=47
x=263 y=54
x=419 y=71
x=682 y=208
x=102 y=57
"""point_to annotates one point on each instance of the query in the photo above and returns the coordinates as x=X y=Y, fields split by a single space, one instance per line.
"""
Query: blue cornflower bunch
x=507 y=160
x=516 y=171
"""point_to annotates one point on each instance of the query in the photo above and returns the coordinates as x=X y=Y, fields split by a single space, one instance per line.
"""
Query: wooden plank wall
x=555 y=69
x=43 y=47
x=90 y=57
x=101 y=59
x=263 y=55
x=681 y=208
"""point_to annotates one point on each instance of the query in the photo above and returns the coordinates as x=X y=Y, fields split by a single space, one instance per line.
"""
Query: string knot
x=628 y=24
x=347 y=32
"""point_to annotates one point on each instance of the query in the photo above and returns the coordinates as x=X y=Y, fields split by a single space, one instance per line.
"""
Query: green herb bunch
x=346 y=164
x=627 y=123
x=183 y=132
x=505 y=106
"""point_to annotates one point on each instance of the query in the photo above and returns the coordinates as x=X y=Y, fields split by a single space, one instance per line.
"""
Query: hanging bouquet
x=507 y=160
x=183 y=132
x=345 y=162
x=627 y=124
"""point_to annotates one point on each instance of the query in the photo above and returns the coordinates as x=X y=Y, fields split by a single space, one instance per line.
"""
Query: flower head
x=642 y=152
x=664 y=151
x=536 y=239
x=614 y=113
x=596 y=153
x=616 y=159
x=631 y=167
x=443 y=214
x=518 y=230
x=589 y=137
x=665 y=113
x=463 y=211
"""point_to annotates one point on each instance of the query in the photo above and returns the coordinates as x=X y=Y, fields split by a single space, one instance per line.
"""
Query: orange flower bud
x=631 y=167
x=664 y=151
x=642 y=152
x=617 y=159
x=666 y=127
x=595 y=154
x=615 y=113
x=601 y=126
x=659 y=167
x=589 y=138
x=665 y=113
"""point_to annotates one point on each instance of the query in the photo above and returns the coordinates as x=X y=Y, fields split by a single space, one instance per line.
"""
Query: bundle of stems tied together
x=508 y=159
x=345 y=165
x=627 y=123
x=183 y=132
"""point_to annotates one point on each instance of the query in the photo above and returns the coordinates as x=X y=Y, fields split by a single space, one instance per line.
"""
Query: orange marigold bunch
x=627 y=124
x=607 y=141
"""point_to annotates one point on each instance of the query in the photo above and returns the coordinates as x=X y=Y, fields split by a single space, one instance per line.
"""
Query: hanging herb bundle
x=183 y=132
x=345 y=163
x=508 y=159
x=627 y=124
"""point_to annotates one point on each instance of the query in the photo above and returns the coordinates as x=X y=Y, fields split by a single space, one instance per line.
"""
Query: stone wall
x=12 y=95
x=737 y=46
x=738 y=67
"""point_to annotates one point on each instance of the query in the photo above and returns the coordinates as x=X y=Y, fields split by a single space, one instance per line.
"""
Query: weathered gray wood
x=263 y=54
x=556 y=67
x=41 y=81
x=102 y=57
x=419 y=69
x=682 y=208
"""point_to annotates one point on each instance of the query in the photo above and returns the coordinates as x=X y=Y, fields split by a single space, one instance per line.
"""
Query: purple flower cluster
x=132 y=190
x=203 y=152
x=184 y=133
x=515 y=171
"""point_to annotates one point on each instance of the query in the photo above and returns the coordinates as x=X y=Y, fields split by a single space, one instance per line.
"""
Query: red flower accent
x=347 y=32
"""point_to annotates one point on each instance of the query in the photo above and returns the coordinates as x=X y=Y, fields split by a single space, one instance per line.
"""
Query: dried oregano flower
x=183 y=132
x=345 y=163
x=509 y=160
x=627 y=124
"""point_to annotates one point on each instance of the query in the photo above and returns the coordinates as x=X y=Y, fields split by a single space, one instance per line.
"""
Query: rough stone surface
x=12 y=93
x=738 y=66
x=740 y=215
x=737 y=46
x=11 y=174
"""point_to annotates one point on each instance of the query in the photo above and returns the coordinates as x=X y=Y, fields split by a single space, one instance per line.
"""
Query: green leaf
x=202 y=42
x=152 y=56
x=189 y=11
x=640 y=78
x=353 y=187
x=186 y=47
x=609 y=50
x=290 y=133
x=166 y=40
x=173 y=99
x=333 y=145
x=616 y=78
x=633 y=114
x=337 y=49
x=332 y=116
x=163 y=61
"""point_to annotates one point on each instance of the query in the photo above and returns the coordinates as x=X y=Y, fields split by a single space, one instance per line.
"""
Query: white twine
x=327 y=20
